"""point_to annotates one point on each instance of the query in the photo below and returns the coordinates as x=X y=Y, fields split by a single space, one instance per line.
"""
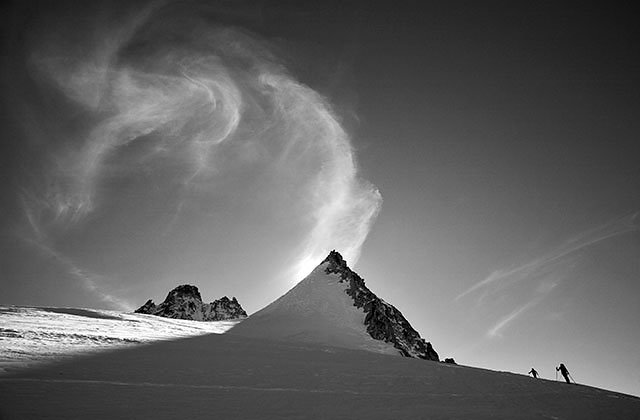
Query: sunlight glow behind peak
x=303 y=268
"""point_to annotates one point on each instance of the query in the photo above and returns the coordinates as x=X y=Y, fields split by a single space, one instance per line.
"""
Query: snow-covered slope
x=30 y=336
x=234 y=377
x=333 y=307
x=309 y=355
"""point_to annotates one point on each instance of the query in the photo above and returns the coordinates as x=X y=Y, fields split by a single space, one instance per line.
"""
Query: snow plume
x=174 y=116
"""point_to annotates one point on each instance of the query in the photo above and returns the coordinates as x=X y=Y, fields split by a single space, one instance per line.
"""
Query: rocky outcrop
x=147 y=308
x=223 y=308
x=185 y=302
x=382 y=320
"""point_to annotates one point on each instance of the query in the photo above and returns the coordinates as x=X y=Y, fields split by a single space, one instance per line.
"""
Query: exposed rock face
x=185 y=302
x=222 y=309
x=383 y=321
x=147 y=308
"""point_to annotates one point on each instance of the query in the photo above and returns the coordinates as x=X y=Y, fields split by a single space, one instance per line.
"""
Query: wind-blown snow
x=30 y=336
x=317 y=310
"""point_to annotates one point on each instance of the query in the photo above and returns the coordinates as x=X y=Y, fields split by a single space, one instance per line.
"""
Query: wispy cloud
x=616 y=227
x=541 y=275
x=543 y=290
x=166 y=91
x=92 y=282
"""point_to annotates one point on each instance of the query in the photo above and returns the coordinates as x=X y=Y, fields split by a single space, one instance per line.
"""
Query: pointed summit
x=335 y=260
x=332 y=306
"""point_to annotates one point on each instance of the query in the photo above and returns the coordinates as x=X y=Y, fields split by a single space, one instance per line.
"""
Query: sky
x=475 y=163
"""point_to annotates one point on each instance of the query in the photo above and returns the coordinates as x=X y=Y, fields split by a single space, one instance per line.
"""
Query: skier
x=534 y=372
x=563 y=369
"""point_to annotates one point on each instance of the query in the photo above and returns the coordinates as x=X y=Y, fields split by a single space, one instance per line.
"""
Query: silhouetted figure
x=563 y=369
x=534 y=372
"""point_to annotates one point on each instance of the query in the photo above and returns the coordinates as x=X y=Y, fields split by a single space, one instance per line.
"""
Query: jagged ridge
x=185 y=302
x=383 y=321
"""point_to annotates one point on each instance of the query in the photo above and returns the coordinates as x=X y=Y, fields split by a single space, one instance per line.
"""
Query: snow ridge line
x=384 y=321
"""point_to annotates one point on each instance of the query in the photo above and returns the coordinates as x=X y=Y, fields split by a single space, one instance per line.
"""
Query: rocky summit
x=185 y=302
x=382 y=320
x=333 y=307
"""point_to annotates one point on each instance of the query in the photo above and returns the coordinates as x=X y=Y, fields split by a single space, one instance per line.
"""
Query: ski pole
x=556 y=376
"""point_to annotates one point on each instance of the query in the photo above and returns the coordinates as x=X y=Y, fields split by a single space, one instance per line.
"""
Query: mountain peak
x=185 y=302
x=332 y=306
x=182 y=292
x=383 y=320
x=335 y=260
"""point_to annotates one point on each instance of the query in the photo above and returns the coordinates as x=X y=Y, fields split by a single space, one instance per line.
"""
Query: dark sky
x=486 y=151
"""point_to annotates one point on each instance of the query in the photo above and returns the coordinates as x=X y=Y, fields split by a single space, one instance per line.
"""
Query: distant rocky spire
x=185 y=302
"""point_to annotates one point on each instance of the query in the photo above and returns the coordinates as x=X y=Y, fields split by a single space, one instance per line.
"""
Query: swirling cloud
x=191 y=105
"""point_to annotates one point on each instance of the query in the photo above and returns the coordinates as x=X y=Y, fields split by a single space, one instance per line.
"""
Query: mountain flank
x=332 y=306
x=383 y=320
